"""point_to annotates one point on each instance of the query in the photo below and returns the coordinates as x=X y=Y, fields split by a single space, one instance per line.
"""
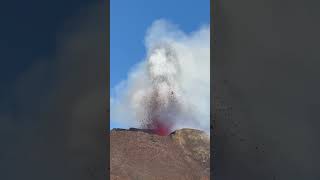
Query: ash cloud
x=171 y=85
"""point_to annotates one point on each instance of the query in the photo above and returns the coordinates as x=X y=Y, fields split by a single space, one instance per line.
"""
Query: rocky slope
x=141 y=155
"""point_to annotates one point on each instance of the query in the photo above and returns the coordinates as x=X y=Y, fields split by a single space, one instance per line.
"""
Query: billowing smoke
x=170 y=89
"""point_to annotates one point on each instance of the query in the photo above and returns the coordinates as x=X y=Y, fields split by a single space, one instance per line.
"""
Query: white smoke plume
x=171 y=86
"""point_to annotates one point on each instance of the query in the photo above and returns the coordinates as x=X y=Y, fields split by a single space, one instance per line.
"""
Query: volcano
x=141 y=154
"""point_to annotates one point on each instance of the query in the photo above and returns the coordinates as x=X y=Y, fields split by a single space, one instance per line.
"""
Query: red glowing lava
x=161 y=128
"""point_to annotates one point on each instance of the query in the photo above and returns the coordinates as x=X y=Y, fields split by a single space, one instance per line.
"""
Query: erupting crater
x=160 y=128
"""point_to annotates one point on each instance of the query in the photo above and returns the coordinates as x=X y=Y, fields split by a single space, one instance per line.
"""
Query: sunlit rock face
x=140 y=153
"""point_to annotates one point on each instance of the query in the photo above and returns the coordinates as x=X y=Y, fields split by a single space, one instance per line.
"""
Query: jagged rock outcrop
x=142 y=155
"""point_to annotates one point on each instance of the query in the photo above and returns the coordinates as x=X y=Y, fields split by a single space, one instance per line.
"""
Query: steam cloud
x=170 y=89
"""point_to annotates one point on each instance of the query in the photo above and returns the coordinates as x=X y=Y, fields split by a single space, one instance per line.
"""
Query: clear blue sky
x=129 y=20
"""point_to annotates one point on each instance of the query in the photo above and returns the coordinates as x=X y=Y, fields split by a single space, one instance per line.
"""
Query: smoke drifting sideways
x=170 y=88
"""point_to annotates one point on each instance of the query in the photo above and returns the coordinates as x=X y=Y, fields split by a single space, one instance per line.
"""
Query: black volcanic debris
x=134 y=129
x=161 y=93
x=157 y=113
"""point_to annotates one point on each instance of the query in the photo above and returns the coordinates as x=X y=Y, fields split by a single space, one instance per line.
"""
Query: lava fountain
x=161 y=103
x=161 y=128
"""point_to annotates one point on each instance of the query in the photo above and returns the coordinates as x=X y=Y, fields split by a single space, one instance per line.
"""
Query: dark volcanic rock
x=139 y=154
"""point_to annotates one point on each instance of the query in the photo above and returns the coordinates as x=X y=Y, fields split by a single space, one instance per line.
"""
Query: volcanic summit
x=144 y=154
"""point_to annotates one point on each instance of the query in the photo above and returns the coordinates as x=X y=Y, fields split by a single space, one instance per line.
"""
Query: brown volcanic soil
x=141 y=155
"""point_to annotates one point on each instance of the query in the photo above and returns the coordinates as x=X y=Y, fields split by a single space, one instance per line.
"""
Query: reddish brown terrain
x=142 y=155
